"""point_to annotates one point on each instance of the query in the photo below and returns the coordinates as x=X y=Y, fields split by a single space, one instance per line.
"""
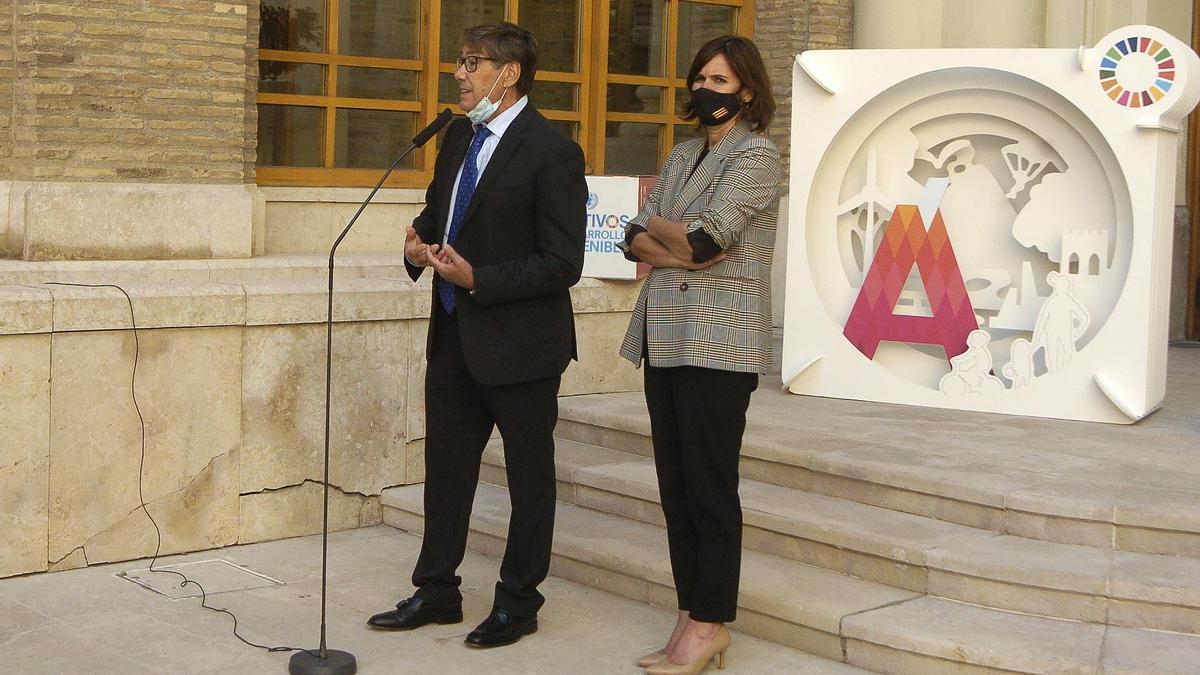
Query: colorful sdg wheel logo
x=1137 y=72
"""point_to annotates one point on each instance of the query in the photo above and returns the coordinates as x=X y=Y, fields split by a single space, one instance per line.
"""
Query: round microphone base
x=310 y=663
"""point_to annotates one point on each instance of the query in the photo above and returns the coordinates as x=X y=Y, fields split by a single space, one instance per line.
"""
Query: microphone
x=435 y=126
x=325 y=661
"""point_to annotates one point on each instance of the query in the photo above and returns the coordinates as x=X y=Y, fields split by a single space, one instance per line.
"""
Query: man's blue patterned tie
x=466 y=189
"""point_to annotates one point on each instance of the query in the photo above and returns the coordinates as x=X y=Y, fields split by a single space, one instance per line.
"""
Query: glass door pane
x=293 y=25
x=568 y=129
x=556 y=96
x=290 y=135
x=635 y=37
x=631 y=149
x=382 y=28
x=459 y=15
x=699 y=23
x=372 y=139
x=686 y=132
x=448 y=91
x=635 y=98
x=555 y=23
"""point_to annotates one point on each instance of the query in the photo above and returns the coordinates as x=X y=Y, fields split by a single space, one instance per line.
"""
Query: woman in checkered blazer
x=702 y=327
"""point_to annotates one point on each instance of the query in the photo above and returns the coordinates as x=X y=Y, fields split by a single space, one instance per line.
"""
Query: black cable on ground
x=141 y=465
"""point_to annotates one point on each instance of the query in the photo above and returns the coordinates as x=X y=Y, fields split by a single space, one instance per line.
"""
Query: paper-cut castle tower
x=1084 y=252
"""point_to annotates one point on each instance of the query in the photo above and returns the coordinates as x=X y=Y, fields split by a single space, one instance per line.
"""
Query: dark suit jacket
x=523 y=235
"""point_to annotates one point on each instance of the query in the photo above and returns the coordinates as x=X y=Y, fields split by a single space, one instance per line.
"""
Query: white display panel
x=612 y=201
x=986 y=229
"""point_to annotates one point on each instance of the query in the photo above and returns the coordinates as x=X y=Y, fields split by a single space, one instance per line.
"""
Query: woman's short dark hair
x=746 y=62
x=507 y=43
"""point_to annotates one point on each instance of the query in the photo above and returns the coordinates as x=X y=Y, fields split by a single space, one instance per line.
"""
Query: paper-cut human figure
x=1061 y=321
x=1019 y=369
x=971 y=371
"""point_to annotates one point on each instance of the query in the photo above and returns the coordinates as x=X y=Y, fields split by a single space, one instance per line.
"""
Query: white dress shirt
x=497 y=125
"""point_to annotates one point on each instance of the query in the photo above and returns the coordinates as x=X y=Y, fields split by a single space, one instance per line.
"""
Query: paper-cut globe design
x=1033 y=189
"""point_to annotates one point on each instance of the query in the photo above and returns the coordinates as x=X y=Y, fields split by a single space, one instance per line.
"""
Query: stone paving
x=92 y=621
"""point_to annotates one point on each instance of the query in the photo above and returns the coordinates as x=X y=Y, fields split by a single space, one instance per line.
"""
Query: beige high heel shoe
x=716 y=649
x=651 y=658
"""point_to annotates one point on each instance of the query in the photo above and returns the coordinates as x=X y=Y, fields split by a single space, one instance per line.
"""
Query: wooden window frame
x=328 y=175
x=592 y=79
x=599 y=110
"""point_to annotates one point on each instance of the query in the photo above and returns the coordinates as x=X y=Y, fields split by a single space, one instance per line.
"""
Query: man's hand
x=416 y=251
x=452 y=267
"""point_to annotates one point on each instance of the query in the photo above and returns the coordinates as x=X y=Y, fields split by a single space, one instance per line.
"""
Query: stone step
x=867 y=624
x=932 y=636
x=794 y=604
x=569 y=458
x=920 y=554
x=1009 y=489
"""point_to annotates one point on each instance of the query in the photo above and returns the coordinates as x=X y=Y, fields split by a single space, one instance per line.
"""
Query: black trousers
x=460 y=414
x=697 y=418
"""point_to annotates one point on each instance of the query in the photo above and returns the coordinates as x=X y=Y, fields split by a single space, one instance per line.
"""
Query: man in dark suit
x=503 y=229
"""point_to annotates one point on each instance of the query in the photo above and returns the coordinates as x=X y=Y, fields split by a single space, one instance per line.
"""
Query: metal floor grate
x=216 y=576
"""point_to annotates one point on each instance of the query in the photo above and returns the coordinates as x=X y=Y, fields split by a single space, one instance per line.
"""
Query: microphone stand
x=325 y=661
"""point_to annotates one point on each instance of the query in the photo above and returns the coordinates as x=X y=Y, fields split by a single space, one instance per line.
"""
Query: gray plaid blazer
x=719 y=317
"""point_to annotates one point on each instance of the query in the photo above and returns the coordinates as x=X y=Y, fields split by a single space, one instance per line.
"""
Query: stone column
x=132 y=129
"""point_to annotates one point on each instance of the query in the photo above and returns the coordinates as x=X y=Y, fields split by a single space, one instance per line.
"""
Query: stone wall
x=230 y=383
x=785 y=28
x=308 y=220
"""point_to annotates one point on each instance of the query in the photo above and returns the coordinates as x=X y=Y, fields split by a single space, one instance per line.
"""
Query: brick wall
x=6 y=88
x=132 y=91
x=784 y=28
x=250 y=129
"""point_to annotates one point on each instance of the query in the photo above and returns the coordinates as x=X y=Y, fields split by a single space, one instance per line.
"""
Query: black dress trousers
x=460 y=414
x=697 y=418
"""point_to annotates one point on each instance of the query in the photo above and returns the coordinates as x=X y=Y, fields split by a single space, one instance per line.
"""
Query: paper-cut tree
x=1062 y=202
x=1023 y=167
x=915 y=235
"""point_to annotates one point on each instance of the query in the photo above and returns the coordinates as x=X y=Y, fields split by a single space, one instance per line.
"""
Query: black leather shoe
x=413 y=613
x=501 y=628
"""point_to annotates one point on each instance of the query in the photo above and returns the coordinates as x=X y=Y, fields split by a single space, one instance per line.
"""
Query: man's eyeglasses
x=471 y=63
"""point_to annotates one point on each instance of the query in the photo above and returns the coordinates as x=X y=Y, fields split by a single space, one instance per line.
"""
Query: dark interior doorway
x=1193 y=201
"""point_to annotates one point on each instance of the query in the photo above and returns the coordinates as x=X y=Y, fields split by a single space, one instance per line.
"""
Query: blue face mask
x=484 y=110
